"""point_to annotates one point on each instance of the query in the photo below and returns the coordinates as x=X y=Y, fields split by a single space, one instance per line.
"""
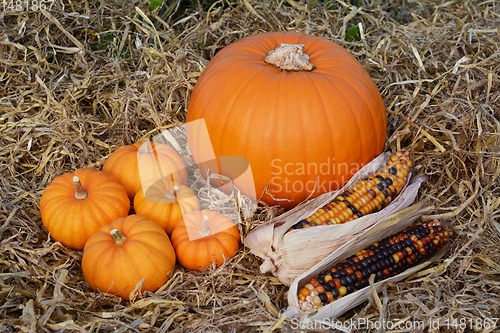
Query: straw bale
x=86 y=77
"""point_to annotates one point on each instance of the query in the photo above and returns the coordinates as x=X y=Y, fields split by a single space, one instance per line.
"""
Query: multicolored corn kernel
x=368 y=196
x=386 y=258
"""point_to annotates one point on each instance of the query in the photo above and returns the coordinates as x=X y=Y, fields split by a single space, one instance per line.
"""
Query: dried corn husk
x=287 y=254
x=388 y=226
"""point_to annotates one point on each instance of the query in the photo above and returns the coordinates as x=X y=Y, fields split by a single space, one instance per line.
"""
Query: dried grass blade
x=64 y=31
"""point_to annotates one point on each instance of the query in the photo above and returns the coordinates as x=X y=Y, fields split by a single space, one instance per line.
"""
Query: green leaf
x=155 y=4
x=170 y=9
x=353 y=34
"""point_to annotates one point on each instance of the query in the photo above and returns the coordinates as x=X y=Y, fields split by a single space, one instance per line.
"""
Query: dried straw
x=87 y=77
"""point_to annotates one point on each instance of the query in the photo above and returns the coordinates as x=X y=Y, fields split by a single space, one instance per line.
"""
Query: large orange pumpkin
x=124 y=252
x=203 y=237
x=294 y=127
x=136 y=164
x=165 y=203
x=75 y=205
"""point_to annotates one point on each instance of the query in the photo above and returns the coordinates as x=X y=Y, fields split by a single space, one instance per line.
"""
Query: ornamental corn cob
x=368 y=196
x=389 y=257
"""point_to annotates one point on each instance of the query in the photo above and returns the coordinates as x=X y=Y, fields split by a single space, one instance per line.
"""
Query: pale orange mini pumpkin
x=165 y=204
x=75 y=205
x=137 y=164
x=203 y=237
x=124 y=252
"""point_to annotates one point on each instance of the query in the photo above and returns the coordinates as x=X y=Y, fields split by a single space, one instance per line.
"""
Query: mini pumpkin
x=124 y=252
x=165 y=203
x=203 y=237
x=75 y=205
x=137 y=164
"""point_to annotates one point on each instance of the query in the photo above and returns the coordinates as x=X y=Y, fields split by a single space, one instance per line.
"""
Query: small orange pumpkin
x=165 y=204
x=75 y=205
x=204 y=236
x=126 y=251
x=136 y=164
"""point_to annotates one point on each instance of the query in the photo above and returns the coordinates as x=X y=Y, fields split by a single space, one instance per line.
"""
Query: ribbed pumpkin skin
x=198 y=254
x=117 y=268
x=71 y=221
x=164 y=211
x=158 y=162
x=301 y=119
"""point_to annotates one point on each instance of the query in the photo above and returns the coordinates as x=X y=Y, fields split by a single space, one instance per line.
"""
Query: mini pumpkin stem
x=172 y=193
x=118 y=236
x=204 y=231
x=144 y=146
x=289 y=57
x=80 y=193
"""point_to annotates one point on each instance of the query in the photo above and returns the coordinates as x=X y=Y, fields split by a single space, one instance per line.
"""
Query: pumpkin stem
x=289 y=57
x=204 y=231
x=118 y=236
x=80 y=194
x=172 y=193
x=144 y=146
